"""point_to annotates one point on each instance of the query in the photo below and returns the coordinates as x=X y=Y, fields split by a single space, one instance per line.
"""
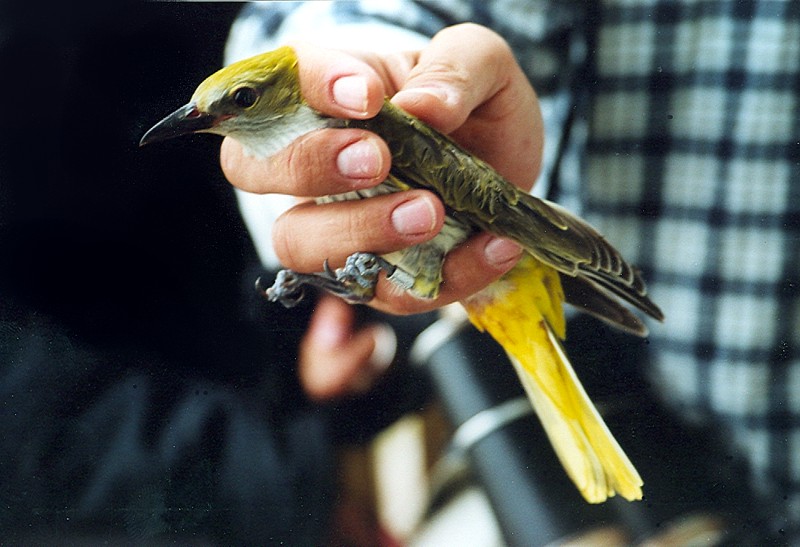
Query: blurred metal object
x=488 y=421
x=695 y=491
x=532 y=498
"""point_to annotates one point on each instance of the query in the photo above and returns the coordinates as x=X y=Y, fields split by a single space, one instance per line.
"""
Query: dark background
x=93 y=230
x=145 y=390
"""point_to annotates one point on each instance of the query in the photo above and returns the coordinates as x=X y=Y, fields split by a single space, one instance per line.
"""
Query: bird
x=258 y=102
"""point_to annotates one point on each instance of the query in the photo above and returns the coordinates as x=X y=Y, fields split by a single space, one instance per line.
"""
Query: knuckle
x=365 y=223
x=298 y=167
x=359 y=226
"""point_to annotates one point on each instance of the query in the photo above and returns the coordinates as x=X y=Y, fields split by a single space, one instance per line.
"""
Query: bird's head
x=257 y=101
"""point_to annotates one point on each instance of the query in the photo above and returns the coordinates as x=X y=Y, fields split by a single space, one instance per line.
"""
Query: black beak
x=187 y=119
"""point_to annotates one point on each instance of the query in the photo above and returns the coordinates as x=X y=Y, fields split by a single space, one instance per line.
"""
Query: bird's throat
x=274 y=134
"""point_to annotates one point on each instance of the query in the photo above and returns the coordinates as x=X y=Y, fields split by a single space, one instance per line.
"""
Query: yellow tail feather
x=518 y=312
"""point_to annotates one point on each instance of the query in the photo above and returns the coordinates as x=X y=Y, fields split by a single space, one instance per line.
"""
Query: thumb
x=467 y=84
x=462 y=67
x=337 y=359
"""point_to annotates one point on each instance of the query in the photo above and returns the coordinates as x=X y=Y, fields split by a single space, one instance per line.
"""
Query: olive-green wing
x=479 y=197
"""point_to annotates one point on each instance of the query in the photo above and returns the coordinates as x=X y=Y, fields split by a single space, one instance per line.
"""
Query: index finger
x=336 y=84
x=339 y=84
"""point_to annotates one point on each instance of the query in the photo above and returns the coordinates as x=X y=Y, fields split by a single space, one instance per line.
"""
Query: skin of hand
x=465 y=83
x=338 y=359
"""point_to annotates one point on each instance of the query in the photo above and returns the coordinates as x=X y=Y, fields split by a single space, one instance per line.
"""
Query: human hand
x=336 y=359
x=465 y=83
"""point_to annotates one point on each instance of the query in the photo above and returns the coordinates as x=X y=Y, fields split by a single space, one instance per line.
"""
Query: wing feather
x=480 y=198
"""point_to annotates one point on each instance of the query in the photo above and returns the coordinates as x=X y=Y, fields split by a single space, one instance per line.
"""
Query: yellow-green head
x=257 y=101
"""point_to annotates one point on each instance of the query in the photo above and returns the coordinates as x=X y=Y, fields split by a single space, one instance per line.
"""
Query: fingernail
x=413 y=94
x=499 y=251
x=351 y=92
x=360 y=160
x=414 y=217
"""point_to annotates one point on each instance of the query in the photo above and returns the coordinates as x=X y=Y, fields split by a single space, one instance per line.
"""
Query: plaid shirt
x=674 y=127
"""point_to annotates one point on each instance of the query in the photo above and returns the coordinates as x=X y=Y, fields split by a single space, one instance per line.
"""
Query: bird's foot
x=355 y=282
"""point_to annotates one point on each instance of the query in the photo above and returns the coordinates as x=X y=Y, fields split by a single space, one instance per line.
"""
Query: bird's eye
x=245 y=97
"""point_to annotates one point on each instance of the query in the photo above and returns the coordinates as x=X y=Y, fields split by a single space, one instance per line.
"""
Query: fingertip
x=438 y=105
x=243 y=171
x=331 y=324
x=449 y=81
x=230 y=154
x=501 y=253
x=421 y=215
x=359 y=95
x=422 y=97
x=365 y=161
x=478 y=262
x=338 y=84
x=350 y=92
x=337 y=360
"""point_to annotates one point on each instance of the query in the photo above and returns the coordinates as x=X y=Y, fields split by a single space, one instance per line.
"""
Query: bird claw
x=355 y=282
x=287 y=289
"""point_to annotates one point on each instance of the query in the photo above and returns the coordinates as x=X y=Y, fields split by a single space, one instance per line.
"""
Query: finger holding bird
x=308 y=167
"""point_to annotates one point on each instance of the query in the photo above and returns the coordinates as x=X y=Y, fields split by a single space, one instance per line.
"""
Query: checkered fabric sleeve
x=689 y=161
x=677 y=131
